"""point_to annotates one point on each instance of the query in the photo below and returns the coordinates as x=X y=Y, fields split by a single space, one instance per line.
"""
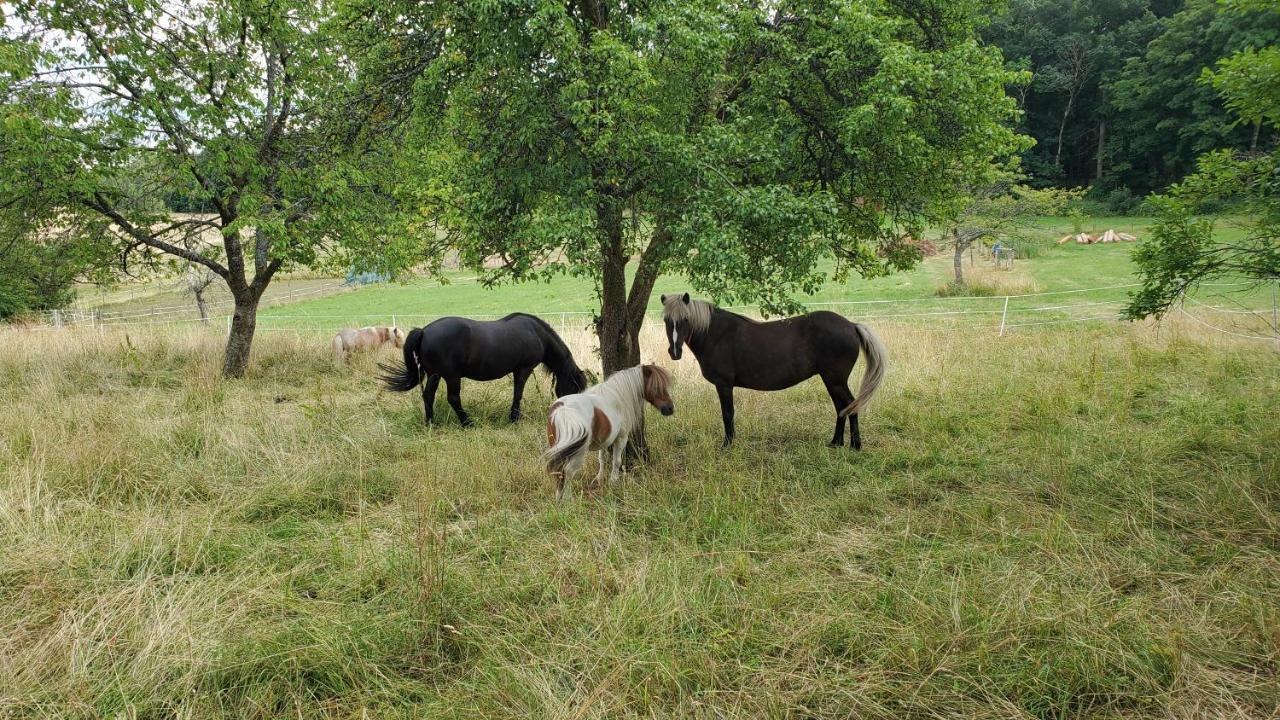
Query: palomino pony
x=454 y=348
x=736 y=351
x=602 y=418
x=350 y=340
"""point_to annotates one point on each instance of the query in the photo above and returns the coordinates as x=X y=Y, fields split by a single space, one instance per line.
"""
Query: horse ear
x=662 y=298
x=686 y=298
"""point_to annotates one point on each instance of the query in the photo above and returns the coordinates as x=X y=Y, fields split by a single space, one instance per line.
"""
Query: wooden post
x=1004 y=315
x=1275 y=325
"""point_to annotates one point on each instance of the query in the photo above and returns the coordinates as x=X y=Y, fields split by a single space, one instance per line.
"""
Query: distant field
x=1065 y=267
x=1044 y=267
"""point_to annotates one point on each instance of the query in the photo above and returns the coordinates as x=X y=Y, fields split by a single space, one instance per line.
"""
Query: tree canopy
x=110 y=106
x=737 y=144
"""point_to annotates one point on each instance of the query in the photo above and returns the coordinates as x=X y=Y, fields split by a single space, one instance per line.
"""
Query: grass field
x=1066 y=267
x=1054 y=524
x=293 y=303
x=569 y=303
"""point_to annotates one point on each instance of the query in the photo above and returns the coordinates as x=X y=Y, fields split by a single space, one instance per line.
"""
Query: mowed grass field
x=1054 y=268
x=1059 y=523
x=569 y=302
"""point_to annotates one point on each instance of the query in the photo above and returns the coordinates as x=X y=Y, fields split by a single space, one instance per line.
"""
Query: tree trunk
x=1257 y=131
x=1062 y=129
x=957 y=262
x=619 y=346
x=243 y=322
x=200 y=305
x=1102 y=139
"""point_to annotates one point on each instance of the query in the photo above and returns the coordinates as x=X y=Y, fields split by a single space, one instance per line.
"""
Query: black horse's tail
x=877 y=359
x=404 y=379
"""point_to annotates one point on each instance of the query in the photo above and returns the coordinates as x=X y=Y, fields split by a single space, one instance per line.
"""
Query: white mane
x=623 y=391
x=696 y=312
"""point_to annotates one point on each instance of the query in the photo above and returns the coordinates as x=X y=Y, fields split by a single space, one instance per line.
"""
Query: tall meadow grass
x=1078 y=522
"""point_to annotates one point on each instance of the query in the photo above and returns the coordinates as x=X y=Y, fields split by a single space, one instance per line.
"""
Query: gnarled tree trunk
x=244 y=320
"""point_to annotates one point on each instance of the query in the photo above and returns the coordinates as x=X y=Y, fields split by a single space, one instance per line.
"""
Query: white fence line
x=116 y=316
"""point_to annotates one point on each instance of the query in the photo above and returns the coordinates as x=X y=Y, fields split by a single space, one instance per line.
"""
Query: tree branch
x=99 y=203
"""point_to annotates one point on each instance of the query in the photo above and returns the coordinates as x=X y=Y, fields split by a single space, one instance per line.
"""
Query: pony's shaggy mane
x=696 y=312
x=624 y=390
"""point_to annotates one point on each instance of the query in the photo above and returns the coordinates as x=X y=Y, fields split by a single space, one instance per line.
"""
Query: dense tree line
x=1116 y=98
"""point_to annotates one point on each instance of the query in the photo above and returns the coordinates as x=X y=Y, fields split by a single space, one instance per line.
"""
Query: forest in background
x=1116 y=99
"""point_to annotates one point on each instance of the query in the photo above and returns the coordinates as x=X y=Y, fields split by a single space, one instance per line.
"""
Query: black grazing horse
x=736 y=351
x=454 y=348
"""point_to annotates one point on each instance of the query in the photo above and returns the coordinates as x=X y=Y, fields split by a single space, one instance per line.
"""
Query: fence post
x=228 y=325
x=1004 y=315
x=1275 y=324
x=562 y=323
x=393 y=321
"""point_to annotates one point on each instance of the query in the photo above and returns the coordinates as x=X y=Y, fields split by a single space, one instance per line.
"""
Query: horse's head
x=569 y=380
x=398 y=336
x=676 y=317
x=657 y=388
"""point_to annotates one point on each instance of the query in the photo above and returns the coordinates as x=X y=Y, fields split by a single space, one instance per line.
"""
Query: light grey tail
x=571 y=437
x=877 y=361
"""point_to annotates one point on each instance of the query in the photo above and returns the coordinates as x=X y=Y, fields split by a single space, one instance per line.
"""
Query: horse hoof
x=466 y=422
x=835 y=445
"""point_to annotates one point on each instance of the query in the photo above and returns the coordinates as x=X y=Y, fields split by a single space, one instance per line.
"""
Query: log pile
x=1109 y=236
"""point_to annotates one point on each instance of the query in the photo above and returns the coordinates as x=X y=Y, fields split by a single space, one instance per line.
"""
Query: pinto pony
x=350 y=340
x=602 y=418
x=736 y=351
x=454 y=348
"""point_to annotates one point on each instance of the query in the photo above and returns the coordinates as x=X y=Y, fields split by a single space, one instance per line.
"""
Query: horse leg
x=840 y=397
x=599 y=478
x=726 y=411
x=619 y=449
x=521 y=375
x=429 y=398
x=453 y=387
x=855 y=435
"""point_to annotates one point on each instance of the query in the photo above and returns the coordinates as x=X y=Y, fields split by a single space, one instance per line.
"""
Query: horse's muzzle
x=667 y=409
x=675 y=352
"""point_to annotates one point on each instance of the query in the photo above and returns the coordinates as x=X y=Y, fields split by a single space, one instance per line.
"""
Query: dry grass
x=1073 y=523
x=985 y=280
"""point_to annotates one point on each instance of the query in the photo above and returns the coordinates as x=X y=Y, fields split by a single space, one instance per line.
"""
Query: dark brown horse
x=736 y=351
x=454 y=348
